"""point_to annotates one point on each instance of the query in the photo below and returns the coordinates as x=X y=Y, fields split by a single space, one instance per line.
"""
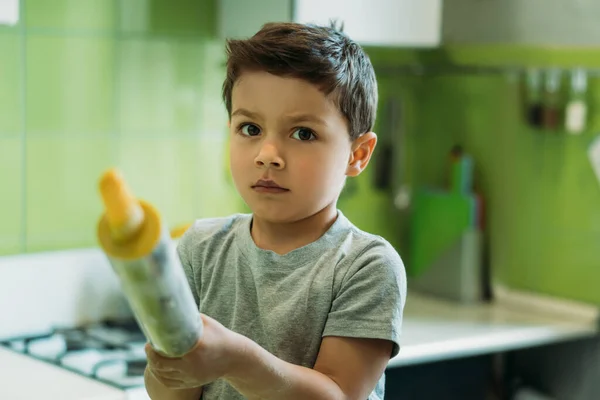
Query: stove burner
x=76 y=340
x=27 y=341
x=110 y=351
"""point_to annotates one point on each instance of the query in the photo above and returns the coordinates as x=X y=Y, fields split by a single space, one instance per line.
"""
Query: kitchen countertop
x=25 y=378
x=435 y=329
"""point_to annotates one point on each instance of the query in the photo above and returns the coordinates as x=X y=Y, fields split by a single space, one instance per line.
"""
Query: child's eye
x=304 y=134
x=249 y=129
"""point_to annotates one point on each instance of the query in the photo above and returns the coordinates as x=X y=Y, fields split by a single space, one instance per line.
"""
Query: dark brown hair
x=324 y=56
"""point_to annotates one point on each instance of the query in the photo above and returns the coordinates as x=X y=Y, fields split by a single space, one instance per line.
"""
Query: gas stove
x=110 y=351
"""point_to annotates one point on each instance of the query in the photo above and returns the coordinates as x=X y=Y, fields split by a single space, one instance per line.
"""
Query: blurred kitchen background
x=486 y=117
x=85 y=85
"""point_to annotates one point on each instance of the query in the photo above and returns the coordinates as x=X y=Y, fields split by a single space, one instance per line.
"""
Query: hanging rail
x=422 y=70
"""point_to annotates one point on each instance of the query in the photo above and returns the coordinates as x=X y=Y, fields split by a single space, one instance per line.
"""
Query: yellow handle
x=178 y=231
x=123 y=211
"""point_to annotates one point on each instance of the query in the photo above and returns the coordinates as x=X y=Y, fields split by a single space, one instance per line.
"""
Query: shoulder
x=368 y=248
x=207 y=227
x=373 y=257
x=207 y=231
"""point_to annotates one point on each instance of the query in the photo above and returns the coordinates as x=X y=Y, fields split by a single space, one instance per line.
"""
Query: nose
x=269 y=157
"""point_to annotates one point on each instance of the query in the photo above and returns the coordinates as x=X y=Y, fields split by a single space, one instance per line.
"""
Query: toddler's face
x=289 y=146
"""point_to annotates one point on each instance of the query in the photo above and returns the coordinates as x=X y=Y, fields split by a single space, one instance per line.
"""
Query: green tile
x=87 y=15
x=213 y=113
x=10 y=85
x=70 y=85
x=156 y=170
x=160 y=86
x=63 y=203
x=182 y=177
x=541 y=197
x=11 y=202
x=217 y=194
x=170 y=17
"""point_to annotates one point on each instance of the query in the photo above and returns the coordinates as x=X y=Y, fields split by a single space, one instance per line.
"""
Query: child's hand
x=211 y=358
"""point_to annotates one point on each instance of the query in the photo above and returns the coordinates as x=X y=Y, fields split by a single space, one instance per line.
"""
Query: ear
x=362 y=150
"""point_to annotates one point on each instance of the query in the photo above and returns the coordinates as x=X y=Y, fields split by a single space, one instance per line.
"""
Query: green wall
x=86 y=85
x=542 y=197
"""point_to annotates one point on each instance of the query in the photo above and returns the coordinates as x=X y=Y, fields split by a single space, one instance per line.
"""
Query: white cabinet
x=9 y=12
x=519 y=22
x=402 y=23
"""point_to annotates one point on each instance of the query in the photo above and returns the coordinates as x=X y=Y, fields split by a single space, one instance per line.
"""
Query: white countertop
x=24 y=378
x=435 y=330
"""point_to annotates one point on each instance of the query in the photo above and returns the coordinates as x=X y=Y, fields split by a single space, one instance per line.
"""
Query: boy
x=297 y=303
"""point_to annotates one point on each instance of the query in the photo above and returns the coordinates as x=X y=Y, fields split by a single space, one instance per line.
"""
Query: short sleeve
x=184 y=250
x=370 y=300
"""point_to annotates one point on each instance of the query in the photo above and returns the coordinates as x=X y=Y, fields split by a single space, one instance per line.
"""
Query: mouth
x=268 y=186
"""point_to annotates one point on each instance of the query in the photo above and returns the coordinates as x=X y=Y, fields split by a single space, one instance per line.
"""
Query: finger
x=205 y=318
x=157 y=361
x=151 y=354
x=170 y=374
x=173 y=375
x=170 y=382
x=151 y=351
x=208 y=320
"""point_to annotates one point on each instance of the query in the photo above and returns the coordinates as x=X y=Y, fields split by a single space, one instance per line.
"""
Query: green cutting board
x=438 y=220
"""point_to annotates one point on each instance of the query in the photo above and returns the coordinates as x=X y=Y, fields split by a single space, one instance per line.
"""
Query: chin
x=281 y=214
x=285 y=211
x=276 y=215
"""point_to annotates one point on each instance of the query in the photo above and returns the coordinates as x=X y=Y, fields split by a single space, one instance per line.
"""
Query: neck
x=285 y=237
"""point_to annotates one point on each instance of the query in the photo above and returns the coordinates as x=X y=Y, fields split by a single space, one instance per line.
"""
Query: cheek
x=320 y=171
x=237 y=157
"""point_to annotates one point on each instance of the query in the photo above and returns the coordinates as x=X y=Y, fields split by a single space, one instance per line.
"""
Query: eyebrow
x=245 y=113
x=293 y=118
x=307 y=118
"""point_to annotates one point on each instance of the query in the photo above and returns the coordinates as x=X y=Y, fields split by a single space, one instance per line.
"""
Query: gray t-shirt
x=346 y=283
